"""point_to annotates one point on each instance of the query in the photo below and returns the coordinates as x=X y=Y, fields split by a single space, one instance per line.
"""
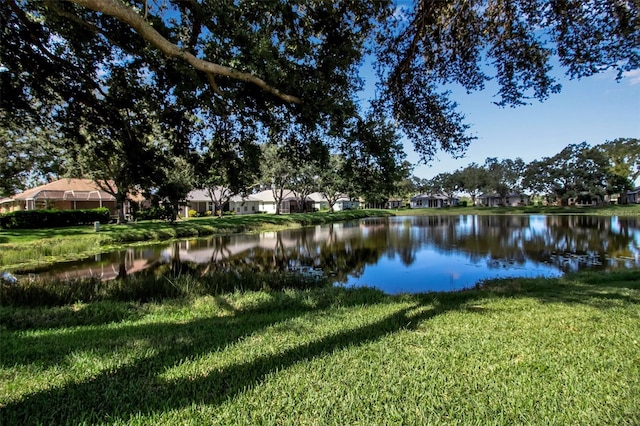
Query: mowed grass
x=30 y=248
x=524 y=351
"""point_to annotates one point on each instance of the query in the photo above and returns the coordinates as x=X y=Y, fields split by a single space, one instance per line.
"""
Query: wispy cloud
x=633 y=76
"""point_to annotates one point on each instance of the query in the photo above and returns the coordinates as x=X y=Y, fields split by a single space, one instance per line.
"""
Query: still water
x=398 y=254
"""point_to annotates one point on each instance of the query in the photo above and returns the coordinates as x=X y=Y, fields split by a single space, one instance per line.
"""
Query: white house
x=200 y=200
x=264 y=201
x=633 y=196
x=345 y=203
x=394 y=203
x=248 y=204
x=423 y=201
x=319 y=202
x=493 y=199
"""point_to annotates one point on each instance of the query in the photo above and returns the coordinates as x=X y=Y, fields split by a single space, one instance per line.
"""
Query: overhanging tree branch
x=130 y=17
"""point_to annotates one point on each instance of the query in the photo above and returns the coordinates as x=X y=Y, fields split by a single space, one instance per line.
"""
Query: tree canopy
x=189 y=64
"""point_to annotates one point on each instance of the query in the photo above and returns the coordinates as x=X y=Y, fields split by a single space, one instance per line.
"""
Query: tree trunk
x=120 y=201
x=122 y=267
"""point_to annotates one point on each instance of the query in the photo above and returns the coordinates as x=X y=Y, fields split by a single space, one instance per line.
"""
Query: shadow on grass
x=141 y=388
x=95 y=314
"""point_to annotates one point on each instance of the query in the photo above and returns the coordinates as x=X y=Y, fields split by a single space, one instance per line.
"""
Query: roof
x=496 y=195
x=431 y=197
x=267 y=195
x=64 y=189
x=238 y=198
x=318 y=197
x=203 y=194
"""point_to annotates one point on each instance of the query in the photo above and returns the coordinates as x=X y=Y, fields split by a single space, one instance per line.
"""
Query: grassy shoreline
x=518 y=351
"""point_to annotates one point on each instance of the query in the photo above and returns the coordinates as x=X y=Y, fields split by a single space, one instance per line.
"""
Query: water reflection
x=411 y=254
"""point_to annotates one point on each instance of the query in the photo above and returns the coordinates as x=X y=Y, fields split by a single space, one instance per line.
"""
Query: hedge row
x=34 y=219
x=151 y=213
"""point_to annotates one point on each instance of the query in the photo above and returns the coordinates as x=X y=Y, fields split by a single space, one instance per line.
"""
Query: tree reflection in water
x=413 y=253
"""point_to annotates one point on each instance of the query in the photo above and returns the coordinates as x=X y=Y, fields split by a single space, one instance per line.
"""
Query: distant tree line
x=579 y=170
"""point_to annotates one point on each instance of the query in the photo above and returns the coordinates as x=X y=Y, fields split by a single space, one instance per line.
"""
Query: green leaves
x=112 y=68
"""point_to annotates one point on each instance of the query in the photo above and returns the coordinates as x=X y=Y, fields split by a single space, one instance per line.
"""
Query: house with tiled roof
x=62 y=194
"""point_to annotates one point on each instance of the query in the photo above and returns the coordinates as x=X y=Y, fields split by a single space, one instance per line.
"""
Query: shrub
x=193 y=213
x=34 y=219
x=151 y=213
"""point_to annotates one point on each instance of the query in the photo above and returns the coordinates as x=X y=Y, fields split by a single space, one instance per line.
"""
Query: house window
x=253 y=208
x=245 y=208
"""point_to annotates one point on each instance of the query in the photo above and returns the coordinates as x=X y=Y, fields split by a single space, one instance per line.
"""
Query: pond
x=397 y=254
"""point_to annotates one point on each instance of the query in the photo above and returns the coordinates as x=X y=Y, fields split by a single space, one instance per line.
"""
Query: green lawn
x=526 y=351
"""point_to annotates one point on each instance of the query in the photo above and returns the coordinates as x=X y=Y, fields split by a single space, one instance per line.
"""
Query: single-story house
x=343 y=202
x=423 y=201
x=318 y=202
x=200 y=200
x=264 y=201
x=247 y=204
x=633 y=196
x=585 y=199
x=62 y=194
x=394 y=203
x=493 y=199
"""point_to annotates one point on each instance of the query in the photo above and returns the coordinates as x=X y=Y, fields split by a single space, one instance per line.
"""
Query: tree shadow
x=45 y=350
x=141 y=388
x=68 y=316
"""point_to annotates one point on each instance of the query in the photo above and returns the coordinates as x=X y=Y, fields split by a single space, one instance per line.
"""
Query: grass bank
x=525 y=351
x=29 y=248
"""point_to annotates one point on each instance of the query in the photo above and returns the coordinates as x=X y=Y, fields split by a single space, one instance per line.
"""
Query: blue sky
x=594 y=109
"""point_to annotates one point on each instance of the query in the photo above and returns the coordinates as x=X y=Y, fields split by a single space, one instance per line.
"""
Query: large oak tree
x=260 y=60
